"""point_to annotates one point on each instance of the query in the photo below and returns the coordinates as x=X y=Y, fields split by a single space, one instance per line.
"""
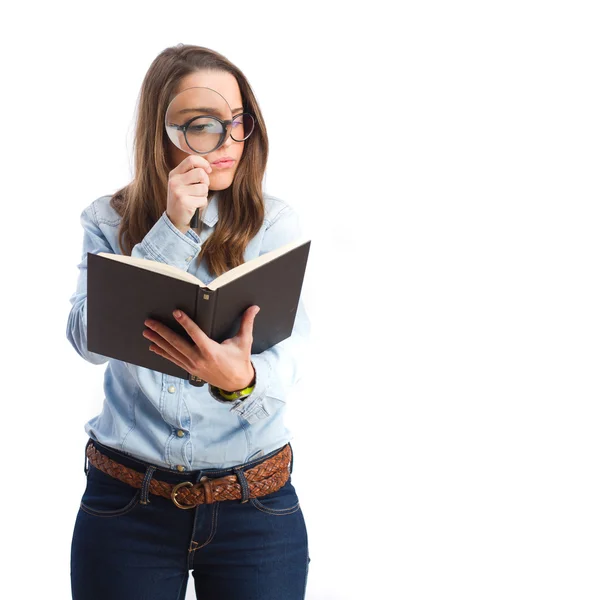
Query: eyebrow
x=206 y=109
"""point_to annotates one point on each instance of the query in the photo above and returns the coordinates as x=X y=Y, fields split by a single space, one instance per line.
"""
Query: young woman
x=180 y=477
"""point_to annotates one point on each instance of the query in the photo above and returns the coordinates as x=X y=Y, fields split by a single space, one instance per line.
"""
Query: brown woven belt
x=265 y=478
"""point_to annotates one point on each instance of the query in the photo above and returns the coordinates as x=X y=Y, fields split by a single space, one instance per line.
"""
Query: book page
x=157 y=267
x=252 y=264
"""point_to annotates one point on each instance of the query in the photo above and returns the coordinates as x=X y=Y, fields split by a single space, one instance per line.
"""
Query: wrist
x=246 y=382
x=182 y=228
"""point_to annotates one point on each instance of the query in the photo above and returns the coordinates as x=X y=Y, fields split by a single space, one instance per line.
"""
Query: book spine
x=205 y=309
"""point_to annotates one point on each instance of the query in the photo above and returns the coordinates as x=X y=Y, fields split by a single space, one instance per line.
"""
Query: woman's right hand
x=188 y=186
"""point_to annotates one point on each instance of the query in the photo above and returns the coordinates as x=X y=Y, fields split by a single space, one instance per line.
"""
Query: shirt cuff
x=165 y=243
x=251 y=407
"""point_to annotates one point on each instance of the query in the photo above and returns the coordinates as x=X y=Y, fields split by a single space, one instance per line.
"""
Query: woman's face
x=224 y=83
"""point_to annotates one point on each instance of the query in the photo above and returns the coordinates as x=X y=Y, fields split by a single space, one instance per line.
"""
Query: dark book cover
x=121 y=295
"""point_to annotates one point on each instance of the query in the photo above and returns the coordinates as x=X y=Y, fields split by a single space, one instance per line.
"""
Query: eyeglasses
x=205 y=134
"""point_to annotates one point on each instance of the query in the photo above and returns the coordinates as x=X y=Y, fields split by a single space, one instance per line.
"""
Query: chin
x=218 y=188
x=222 y=183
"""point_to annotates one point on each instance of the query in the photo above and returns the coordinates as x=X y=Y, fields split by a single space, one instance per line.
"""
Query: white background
x=443 y=160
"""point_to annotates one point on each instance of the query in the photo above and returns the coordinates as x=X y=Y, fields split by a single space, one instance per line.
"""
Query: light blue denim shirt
x=165 y=420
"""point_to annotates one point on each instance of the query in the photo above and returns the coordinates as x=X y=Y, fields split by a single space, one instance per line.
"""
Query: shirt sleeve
x=280 y=367
x=163 y=243
x=76 y=327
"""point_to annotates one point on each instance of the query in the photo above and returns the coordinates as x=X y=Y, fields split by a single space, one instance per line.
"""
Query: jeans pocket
x=106 y=496
x=283 y=501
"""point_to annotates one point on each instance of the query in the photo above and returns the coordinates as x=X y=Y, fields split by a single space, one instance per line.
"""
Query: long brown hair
x=142 y=202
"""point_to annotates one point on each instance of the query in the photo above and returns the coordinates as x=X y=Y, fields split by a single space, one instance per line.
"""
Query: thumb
x=246 y=328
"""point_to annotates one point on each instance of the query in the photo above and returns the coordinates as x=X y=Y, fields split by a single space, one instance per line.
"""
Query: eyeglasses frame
x=225 y=124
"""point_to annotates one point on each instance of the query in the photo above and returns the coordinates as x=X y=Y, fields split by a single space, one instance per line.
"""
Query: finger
x=197 y=335
x=197 y=175
x=198 y=193
x=160 y=345
x=174 y=344
x=161 y=352
x=191 y=162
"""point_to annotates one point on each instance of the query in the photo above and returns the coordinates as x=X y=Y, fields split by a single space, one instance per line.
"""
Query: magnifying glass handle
x=193 y=222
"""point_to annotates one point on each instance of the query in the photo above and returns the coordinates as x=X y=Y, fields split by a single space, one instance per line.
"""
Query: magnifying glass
x=198 y=120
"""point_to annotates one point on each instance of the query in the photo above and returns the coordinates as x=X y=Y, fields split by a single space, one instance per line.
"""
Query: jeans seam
x=283 y=511
x=306 y=572
x=214 y=525
x=210 y=536
x=123 y=511
x=183 y=580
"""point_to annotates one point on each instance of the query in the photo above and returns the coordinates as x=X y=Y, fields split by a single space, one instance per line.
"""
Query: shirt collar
x=210 y=215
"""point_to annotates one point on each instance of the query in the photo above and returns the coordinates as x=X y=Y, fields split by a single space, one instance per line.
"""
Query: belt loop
x=86 y=464
x=292 y=456
x=243 y=482
x=149 y=471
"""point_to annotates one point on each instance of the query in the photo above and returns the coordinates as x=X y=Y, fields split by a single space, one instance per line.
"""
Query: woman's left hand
x=226 y=365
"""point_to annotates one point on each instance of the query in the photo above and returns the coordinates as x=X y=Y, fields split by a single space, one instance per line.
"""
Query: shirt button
x=172 y=389
x=180 y=468
x=180 y=433
x=188 y=258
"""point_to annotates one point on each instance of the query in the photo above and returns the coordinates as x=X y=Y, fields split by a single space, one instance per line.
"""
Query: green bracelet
x=238 y=394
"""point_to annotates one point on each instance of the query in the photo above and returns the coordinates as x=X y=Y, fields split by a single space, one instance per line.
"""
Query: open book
x=124 y=291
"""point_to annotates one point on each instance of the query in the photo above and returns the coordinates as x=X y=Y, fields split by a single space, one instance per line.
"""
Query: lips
x=224 y=159
x=223 y=164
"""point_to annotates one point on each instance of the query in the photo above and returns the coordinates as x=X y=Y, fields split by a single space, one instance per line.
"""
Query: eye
x=200 y=128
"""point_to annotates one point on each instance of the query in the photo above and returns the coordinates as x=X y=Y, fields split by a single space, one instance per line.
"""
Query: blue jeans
x=129 y=544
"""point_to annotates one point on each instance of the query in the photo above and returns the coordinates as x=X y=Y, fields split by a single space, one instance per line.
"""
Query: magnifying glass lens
x=204 y=134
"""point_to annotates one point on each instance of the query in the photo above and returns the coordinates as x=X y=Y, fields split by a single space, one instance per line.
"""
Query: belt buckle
x=175 y=489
